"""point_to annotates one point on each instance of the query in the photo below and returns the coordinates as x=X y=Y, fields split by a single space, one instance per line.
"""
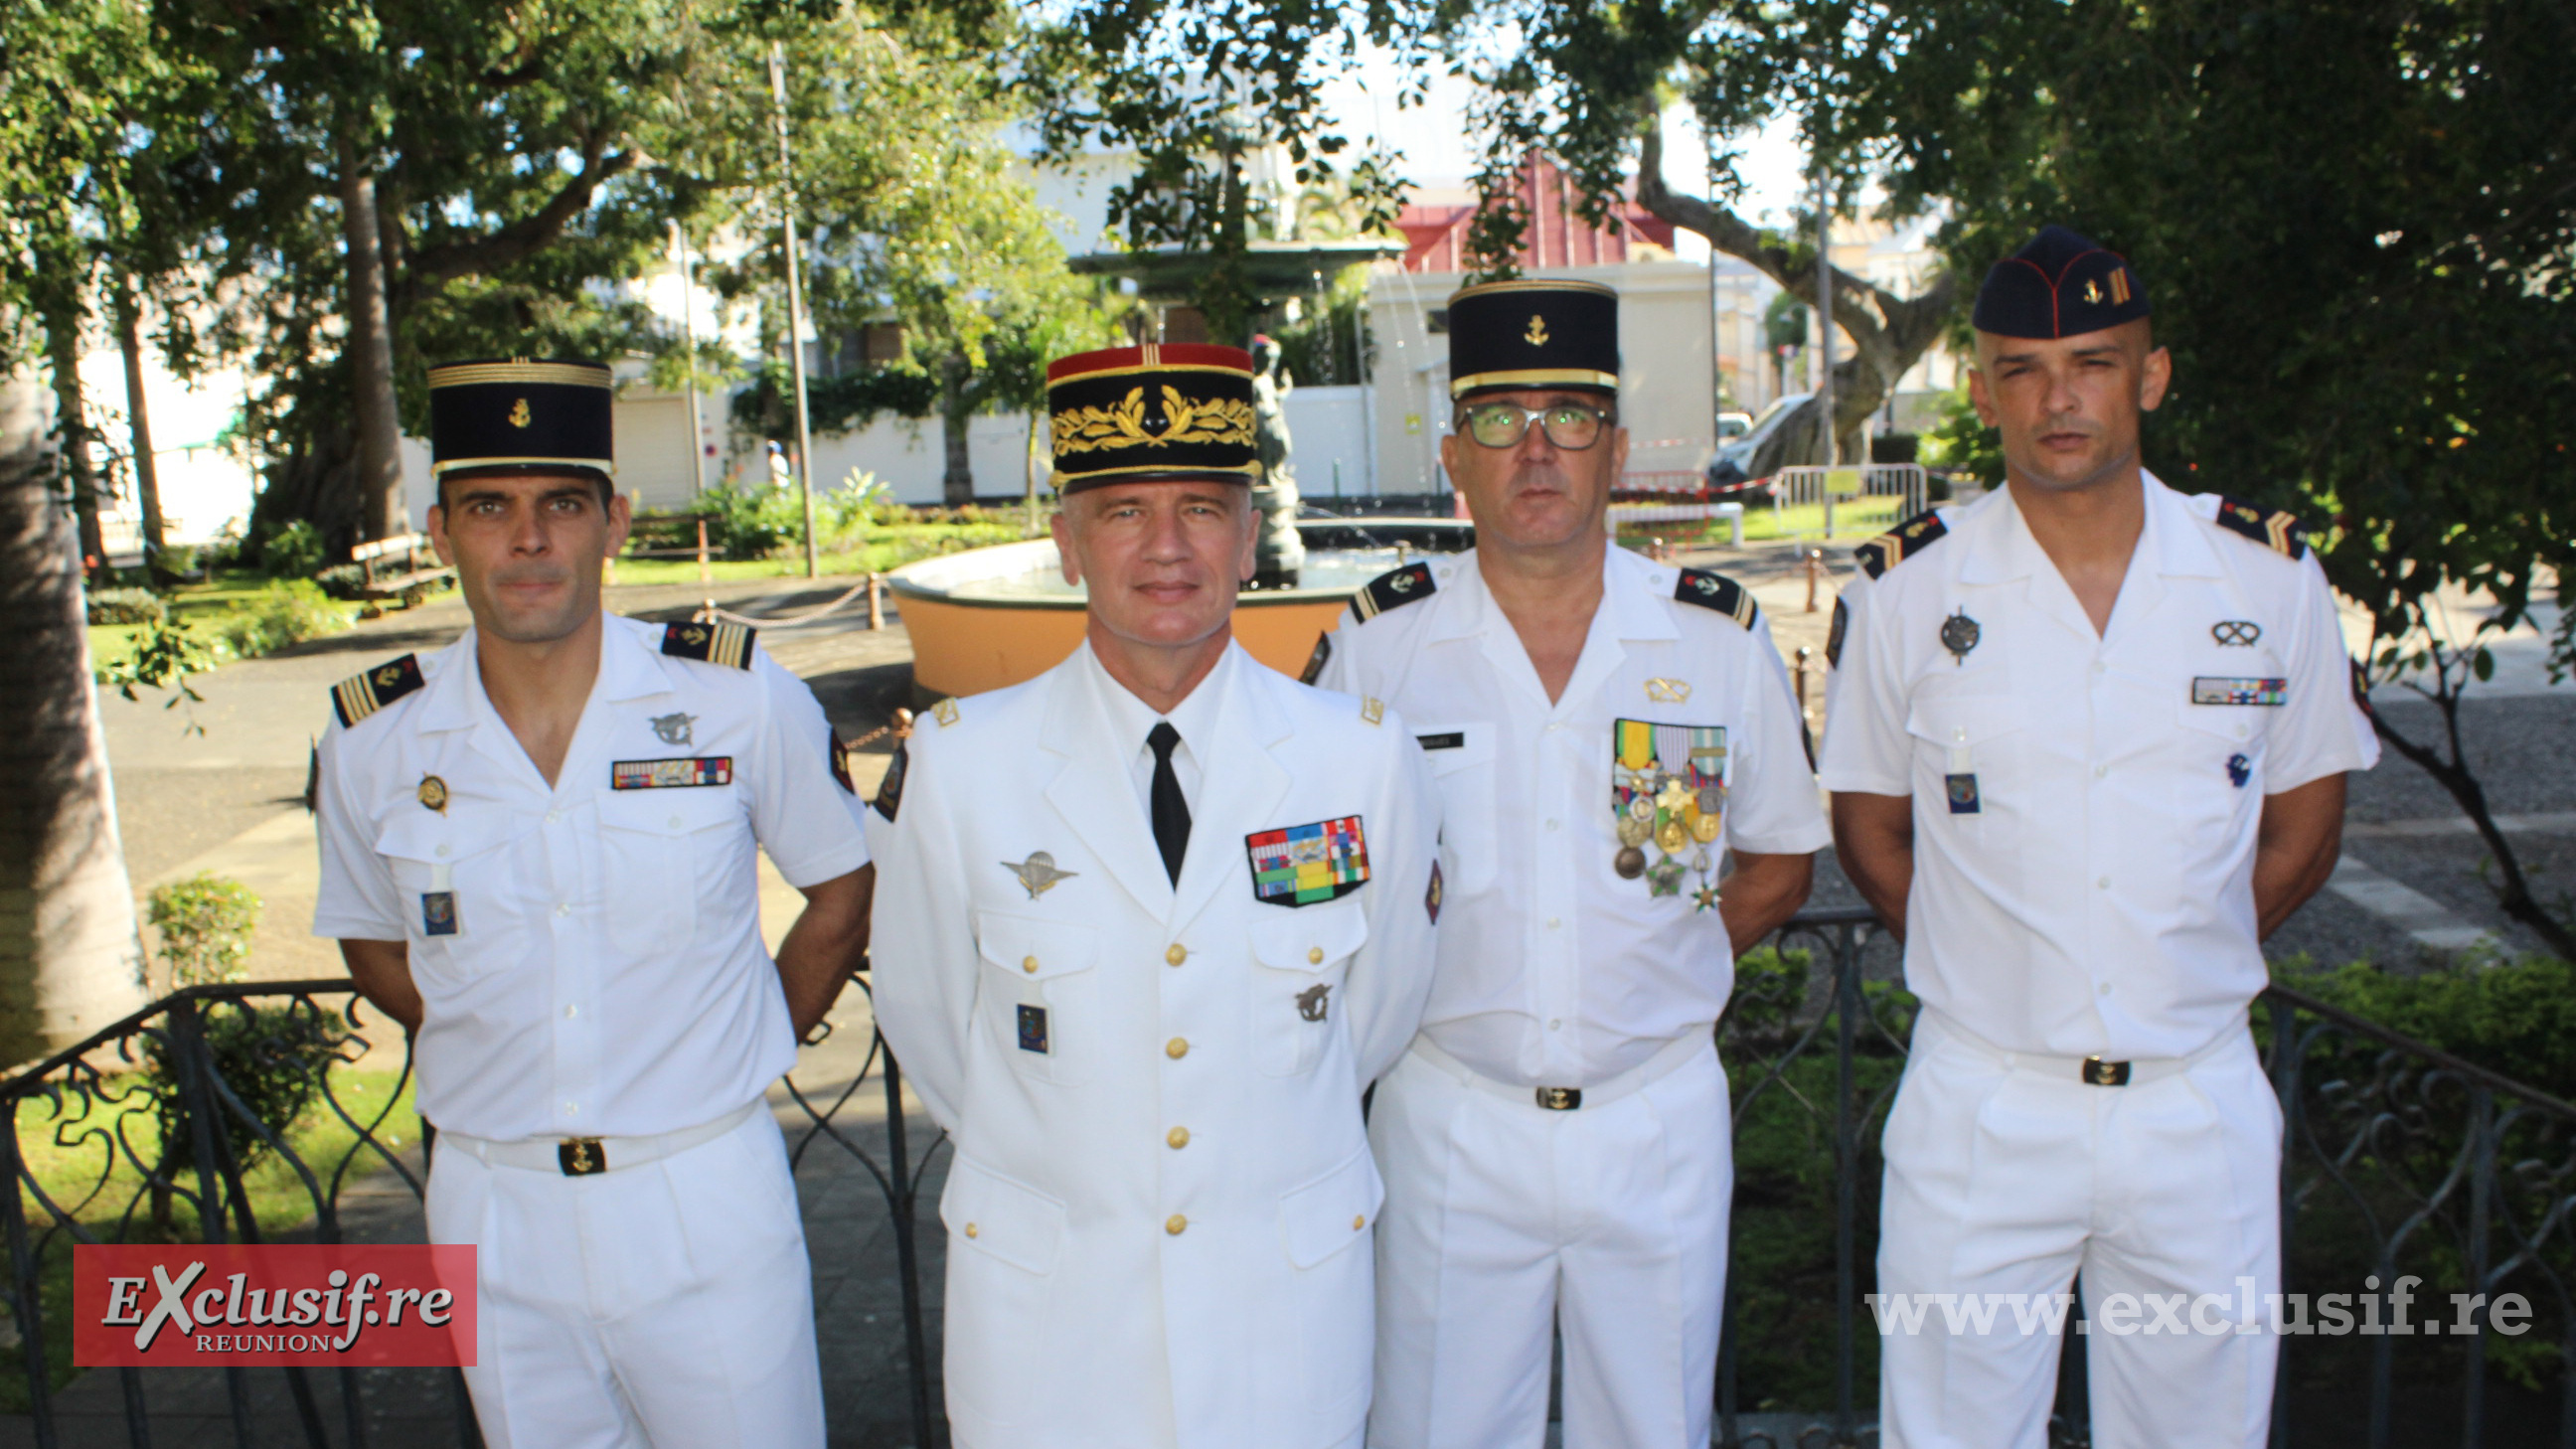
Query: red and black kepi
x=1163 y=412
x=2061 y=285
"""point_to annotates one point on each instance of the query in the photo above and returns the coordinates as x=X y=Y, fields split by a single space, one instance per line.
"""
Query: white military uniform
x=1160 y=1210
x=590 y=964
x=1556 y=1146
x=2085 y=809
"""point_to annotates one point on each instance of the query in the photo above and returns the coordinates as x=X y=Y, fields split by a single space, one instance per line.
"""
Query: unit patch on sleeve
x=2208 y=690
x=1716 y=591
x=2276 y=529
x=890 y=789
x=841 y=765
x=715 y=643
x=1304 y=864
x=1391 y=589
x=1316 y=661
x=1900 y=543
x=671 y=774
x=1834 y=634
x=361 y=695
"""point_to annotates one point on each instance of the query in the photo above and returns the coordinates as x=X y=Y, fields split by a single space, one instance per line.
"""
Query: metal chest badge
x=433 y=793
x=1668 y=787
x=1959 y=634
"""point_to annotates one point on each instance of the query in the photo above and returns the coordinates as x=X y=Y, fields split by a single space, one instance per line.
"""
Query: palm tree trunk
x=147 y=476
x=63 y=318
x=70 y=961
x=371 y=354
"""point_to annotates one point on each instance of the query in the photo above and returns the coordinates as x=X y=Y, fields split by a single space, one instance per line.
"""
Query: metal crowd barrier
x=1852 y=487
x=2401 y=1161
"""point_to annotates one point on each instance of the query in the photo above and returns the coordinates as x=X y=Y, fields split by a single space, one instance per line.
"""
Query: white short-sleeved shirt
x=589 y=955
x=1554 y=970
x=2085 y=805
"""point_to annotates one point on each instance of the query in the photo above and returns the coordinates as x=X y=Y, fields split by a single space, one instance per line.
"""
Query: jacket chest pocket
x=455 y=882
x=1964 y=743
x=1300 y=964
x=1462 y=767
x=1040 y=995
x=659 y=850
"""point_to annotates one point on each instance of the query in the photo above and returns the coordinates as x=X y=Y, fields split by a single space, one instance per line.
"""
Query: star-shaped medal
x=1706 y=896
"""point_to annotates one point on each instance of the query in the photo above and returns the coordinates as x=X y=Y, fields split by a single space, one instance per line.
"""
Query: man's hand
x=1761 y=893
x=2295 y=849
x=382 y=971
x=1874 y=843
x=825 y=945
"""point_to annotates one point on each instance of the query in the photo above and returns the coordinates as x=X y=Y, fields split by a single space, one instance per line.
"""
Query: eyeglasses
x=1570 y=426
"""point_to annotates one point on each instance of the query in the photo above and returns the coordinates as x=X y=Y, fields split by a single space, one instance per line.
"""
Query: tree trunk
x=70 y=961
x=381 y=513
x=71 y=421
x=957 y=485
x=147 y=475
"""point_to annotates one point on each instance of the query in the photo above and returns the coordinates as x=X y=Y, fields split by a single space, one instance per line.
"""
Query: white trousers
x=1503 y=1220
x=667 y=1305
x=2009 y=1180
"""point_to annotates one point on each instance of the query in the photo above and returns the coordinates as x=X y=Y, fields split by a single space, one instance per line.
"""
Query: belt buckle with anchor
x=2099 y=1073
x=1560 y=1099
x=581 y=1156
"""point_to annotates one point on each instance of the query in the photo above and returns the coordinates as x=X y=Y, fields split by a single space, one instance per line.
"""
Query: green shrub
x=1961 y=443
x=346 y=581
x=2515 y=1017
x=126 y=606
x=293 y=552
x=288 y=611
x=270 y=1057
x=205 y=923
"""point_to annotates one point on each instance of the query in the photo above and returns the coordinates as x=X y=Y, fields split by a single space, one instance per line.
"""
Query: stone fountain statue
x=1279 y=554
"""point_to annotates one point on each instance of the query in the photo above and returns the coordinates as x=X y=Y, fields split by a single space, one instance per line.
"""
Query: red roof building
x=1435 y=226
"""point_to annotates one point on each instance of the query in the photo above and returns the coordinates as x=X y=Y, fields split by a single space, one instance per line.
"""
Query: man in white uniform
x=1605 y=731
x=1152 y=923
x=2087 y=742
x=538 y=853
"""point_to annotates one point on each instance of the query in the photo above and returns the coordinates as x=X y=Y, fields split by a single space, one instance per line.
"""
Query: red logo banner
x=405 y=1306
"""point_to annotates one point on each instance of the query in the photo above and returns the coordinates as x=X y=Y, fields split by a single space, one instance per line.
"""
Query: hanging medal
x=1668 y=787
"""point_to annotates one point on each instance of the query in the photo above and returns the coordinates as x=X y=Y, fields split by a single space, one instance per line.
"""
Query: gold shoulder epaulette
x=361 y=695
x=715 y=643
x=2275 y=528
x=1900 y=543
x=1392 y=589
x=1716 y=591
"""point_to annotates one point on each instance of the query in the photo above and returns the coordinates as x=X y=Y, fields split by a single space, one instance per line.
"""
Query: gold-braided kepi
x=1534 y=332
x=1163 y=412
x=520 y=416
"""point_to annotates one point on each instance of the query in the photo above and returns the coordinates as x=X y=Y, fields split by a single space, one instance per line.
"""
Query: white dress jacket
x=1159 y=1214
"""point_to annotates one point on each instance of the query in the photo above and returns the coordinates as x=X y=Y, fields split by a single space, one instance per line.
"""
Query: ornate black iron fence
x=244 y=1113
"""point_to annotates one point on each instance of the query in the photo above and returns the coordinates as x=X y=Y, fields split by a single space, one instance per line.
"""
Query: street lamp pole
x=689 y=340
x=795 y=298
x=1825 y=303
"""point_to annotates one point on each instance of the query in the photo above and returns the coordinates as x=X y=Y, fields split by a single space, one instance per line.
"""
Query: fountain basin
x=991 y=617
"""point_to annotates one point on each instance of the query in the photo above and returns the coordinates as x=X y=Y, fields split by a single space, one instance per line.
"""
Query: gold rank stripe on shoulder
x=1900 y=543
x=1393 y=589
x=361 y=695
x=2276 y=528
x=728 y=644
x=1716 y=591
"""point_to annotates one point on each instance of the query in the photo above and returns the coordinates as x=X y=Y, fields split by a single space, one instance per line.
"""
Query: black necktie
x=1171 y=812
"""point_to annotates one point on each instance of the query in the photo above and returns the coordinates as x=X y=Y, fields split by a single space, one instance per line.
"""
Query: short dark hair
x=607 y=489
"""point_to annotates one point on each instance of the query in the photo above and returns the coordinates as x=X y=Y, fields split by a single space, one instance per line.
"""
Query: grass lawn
x=1854 y=519
x=888 y=547
x=112 y=1204
x=205 y=607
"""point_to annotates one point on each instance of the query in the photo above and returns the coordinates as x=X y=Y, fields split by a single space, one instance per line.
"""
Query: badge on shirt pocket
x=1033 y=1029
x=1302 y=865
x=438 y=913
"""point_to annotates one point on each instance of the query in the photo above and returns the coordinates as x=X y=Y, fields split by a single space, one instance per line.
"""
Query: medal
x=1664 y=877
x=1633 y=831
x=1959 y=635
x=1630 y=862
x=1671 y=837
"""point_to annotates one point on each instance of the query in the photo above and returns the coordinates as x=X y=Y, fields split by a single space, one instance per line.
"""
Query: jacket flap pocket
x=1967 y=719
x=1037 y=950
x=1330 y=1213
x=433 y=838
x=1019 y=1225
x=667 y=812
x=1454 y=747
x=1311 y=939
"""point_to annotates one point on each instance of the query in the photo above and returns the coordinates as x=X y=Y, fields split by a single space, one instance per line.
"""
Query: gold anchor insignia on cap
x=519 y=414
x=1536 y=336
x=2093 y=292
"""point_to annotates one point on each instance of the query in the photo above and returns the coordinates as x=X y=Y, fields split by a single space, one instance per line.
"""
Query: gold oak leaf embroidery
x=1122 y=425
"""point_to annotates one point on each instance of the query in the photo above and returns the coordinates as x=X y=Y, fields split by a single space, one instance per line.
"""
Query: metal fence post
x=2482 y=1157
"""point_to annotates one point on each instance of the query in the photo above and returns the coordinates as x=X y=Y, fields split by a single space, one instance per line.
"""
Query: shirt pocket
x=2219 y=772
x=1041 y=995
x=658 y=852
x=1963 y=744
x=1462 y=767
x=456 y=888
x=1300 y=963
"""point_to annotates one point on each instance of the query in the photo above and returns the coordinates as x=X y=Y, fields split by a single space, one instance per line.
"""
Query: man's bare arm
x=825 y=945
x=2295 y=849
x=1874 y=843
x=382 y=971
x=1761 y=893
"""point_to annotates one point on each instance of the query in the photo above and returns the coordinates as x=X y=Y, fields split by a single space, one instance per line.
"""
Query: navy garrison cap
x=2061 y=285
x=1533 y=333
x=519 y=416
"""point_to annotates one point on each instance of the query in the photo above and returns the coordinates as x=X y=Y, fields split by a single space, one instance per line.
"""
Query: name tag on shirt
x=1455 y=739
x=671 y=774
x=2208 y=690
